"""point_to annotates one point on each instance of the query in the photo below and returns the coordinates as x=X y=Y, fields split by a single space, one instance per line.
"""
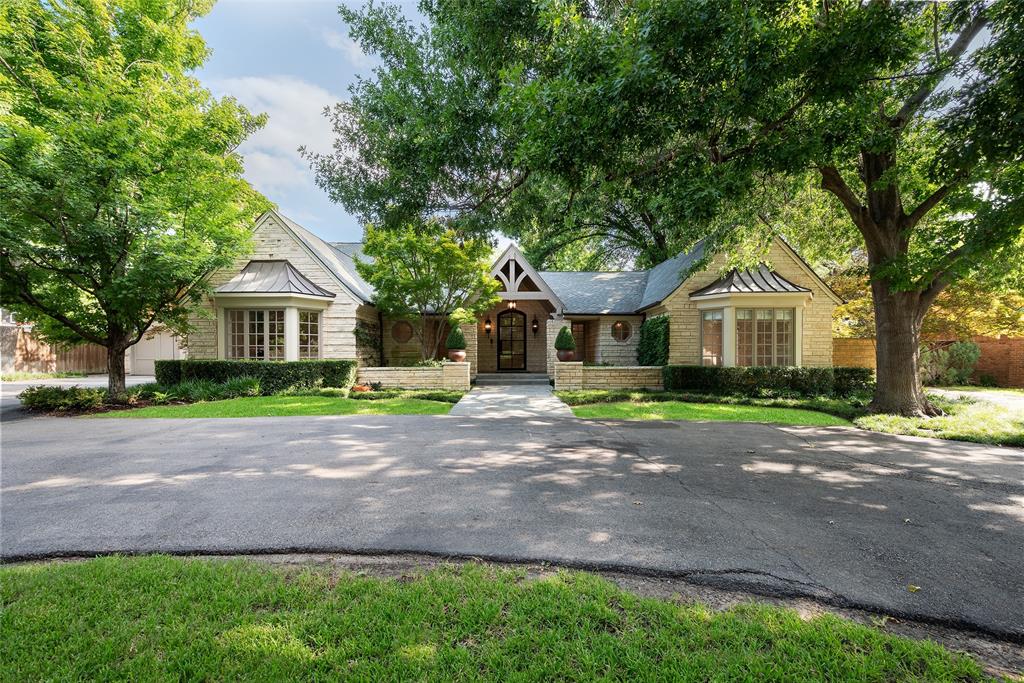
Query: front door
x=511 y=341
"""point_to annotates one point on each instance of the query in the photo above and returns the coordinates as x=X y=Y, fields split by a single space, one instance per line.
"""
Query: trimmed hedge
x=273 y=376
x=653 y=346
x=772 y=381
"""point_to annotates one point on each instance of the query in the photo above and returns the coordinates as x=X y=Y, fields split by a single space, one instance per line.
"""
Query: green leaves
x=122 y=187
x=425 y=269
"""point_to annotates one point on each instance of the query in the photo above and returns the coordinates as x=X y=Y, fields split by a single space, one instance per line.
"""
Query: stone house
x=298 y=296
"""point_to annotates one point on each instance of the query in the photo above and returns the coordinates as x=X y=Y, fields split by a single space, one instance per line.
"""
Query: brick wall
x=853 y=353
x=448 y=376
x=1001 y=357
x=574 y=376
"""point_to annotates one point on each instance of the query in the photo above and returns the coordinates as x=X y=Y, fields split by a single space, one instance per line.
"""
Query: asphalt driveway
x=846 y=516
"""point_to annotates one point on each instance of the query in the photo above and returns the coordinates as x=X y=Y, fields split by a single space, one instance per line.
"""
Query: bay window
x=711 y=337
x=765 y=336
x=309 y=335
x=256 y=334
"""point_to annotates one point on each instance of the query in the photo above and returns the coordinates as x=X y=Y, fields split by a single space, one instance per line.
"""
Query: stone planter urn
x=457 y=355
x=566 y=355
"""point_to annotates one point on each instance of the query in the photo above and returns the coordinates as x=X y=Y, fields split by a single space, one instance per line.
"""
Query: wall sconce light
x=535 y=326
x=487 y=329
x=512 y=305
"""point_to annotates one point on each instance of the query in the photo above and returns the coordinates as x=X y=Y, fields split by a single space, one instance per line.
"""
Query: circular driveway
x=842 y=515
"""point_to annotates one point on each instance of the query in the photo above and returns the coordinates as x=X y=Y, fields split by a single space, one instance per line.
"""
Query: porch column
x=729 y=336
x=291 y=333
x=798 y=336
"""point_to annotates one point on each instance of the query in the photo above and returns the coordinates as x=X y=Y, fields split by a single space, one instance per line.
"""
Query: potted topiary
x=565 y=345
x=456 y=344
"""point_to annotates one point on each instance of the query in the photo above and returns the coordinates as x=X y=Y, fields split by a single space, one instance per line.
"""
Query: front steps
x=491 y=379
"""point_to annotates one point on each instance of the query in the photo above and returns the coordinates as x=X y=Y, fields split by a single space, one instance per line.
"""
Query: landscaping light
x=535 y=326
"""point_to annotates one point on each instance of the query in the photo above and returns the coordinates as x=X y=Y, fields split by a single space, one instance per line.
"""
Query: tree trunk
x=897 y=352
x=115 y=370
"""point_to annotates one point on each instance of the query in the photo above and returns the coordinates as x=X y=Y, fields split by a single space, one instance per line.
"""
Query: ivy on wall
x=653 y=346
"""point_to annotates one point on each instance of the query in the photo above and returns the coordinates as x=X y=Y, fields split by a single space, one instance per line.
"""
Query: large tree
x=908 y=114
x=120 y=186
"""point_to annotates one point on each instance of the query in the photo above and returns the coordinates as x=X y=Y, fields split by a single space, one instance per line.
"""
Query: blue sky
x=289 y=59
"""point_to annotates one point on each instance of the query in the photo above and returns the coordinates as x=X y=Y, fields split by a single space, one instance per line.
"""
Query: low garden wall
x=574 y=376
x=448 y=376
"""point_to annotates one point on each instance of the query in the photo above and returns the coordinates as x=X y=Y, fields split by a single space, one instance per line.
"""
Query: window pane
x=257 y=337
x=744 y=336
x=711 y=337
x=236 y=334
x=309 y=334
x=784 y=336
x=275 y=335
x=763 y=340
x=621 y=330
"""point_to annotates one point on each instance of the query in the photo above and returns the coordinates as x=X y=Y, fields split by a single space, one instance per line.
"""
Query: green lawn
x=965 y=420
x=679 y=410
x=160 y=618
x=994 y=390
x=276 y=406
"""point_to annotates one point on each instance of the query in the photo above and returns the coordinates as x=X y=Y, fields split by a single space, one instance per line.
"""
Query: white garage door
x=159 y=346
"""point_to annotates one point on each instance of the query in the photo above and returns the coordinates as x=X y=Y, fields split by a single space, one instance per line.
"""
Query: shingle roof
x=665 y=278
x=593 y=293
x=272 y=277
x=334 y=259
x=760 y=281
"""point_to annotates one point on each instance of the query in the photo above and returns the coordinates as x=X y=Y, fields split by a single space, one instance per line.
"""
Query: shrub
x=987 y=380
x=62 y=399
x=241 y=386
x=765 y=381
x=652 y=348
x=273 y=376
x=193 y=390
x=564 y=340
x=852 y=381
x=456 y=340
x=952 y=364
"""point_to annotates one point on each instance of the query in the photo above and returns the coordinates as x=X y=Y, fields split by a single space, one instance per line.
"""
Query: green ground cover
x=285 y=405
x=161 y=618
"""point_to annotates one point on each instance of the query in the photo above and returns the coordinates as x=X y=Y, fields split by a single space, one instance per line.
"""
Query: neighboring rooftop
x=272 y=277
x=760 y=281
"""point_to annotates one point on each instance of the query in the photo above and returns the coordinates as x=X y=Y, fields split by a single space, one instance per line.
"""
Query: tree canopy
x=121 y=186
x=425 y=273
x=637 y=128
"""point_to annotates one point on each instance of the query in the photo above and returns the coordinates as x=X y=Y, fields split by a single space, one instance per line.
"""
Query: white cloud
x=336 y=40
x=295 y=118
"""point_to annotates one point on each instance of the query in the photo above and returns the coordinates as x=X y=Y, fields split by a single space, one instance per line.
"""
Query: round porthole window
x=401 y=332
x=621 y=331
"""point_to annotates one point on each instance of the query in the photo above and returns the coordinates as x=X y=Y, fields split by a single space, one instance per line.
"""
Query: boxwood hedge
x=771 y=381
x=273 y=376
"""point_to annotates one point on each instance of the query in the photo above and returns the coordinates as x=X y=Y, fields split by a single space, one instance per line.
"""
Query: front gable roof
x=513 y=271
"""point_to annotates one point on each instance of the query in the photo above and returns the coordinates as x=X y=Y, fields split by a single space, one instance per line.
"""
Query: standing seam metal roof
x=272 y=277
x=760 y=281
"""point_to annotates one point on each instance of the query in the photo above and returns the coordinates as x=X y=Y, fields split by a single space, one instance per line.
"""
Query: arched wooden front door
x=511 y=341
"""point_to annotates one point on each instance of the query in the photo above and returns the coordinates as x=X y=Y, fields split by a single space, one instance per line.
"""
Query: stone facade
x=684 y=317
x=453 y=376
x=574 y=376
x=272 y=241
x=536 y=344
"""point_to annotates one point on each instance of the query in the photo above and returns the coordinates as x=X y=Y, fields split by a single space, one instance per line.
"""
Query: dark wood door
x=511 y=341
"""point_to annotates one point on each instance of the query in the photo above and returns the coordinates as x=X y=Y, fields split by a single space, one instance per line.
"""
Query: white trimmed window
x=309 y=335
x=711 y=337
x=765 y=336
x=256 y=334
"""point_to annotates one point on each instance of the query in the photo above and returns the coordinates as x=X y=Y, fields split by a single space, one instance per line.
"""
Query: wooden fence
x=21 y=351
x=1001 y=357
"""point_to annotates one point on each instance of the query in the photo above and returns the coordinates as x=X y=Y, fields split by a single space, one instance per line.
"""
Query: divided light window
x=711 y=337
x=309 y=335
x=256 y=334
x=765 y=336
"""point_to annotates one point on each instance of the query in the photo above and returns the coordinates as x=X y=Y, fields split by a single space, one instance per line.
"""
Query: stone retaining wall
x=448 y=376
x=575 y=376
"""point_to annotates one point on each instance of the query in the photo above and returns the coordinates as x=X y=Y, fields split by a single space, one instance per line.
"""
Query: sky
x=289 y=59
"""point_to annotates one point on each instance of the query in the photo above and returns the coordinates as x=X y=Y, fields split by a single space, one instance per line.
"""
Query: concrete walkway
x=513 y=400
